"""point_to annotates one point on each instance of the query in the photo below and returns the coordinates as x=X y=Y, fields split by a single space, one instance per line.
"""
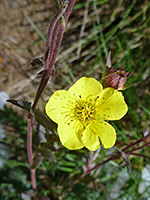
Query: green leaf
x=22 y=104
x=67 y=164
x=47 y=154
x=13 y=164
x=45 y=121
x=66 y=169
x=71 y=157
x=38 y=158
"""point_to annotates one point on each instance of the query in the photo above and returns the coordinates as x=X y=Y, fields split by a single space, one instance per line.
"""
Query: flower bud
x=115 y=77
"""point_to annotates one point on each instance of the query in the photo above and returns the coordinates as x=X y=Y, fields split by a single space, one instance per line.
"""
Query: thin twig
x=136 y=142
x=141 y=155
x=138 y=148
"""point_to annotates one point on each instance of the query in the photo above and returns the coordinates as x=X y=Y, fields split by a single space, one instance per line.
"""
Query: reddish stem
x=116 y=157
x=50 y=33
x=50 y=57
x=69 y=8
x=53 y=41
x=42 y=85
x=58 y=42
x=141 y=155
x=29 y=152
x=138 y=148
x=136 y=142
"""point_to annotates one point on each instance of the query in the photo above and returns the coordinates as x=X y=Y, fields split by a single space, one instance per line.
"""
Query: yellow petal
x=90 y=139
x=105 y=132
x=58 y=105
x=70 y=136
x=111 y=105
x=86 y=87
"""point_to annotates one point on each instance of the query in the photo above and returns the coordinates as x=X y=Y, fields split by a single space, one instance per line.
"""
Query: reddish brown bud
x=115 y=77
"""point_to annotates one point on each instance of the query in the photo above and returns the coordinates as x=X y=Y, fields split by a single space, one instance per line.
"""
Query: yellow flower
x=82 y=111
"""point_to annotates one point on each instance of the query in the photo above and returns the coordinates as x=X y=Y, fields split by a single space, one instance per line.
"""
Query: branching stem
x=55 y=34
x=115 y=157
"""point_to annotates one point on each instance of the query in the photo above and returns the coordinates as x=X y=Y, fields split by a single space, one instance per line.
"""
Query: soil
x=20 y=43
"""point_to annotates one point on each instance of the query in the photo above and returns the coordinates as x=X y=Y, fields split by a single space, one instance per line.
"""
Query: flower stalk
x=55 y=34
x=29 y=152
x=58 y=42
x=51 y=53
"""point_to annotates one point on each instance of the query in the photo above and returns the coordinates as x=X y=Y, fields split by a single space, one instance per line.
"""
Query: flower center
x=84 y=110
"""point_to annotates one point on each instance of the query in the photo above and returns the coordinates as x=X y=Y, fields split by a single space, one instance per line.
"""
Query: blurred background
x=95 y=27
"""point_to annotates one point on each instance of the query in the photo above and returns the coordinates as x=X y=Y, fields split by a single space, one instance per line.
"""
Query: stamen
x=80 y=111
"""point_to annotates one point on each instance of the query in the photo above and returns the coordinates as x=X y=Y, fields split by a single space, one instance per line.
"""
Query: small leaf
x=71 y=157
x=67 y=164
x=45 y=121
x=37 y=160
x=48 y=145
x=66 y=169
x=37 y=61
x=47 y=154
x=52 y=138
x=22 y=104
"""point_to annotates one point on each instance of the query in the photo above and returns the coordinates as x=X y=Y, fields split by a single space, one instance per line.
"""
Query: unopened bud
x=115 y=77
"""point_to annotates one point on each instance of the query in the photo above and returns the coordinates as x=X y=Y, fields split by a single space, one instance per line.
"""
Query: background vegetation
x=94 y=28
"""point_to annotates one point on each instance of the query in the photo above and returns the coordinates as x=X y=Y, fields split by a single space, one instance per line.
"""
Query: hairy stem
x=42 y=85
x=58 y=42
x=50 y=33
x=54 y=38
x=69 y=8
x=29 y=152
x=51 y=51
